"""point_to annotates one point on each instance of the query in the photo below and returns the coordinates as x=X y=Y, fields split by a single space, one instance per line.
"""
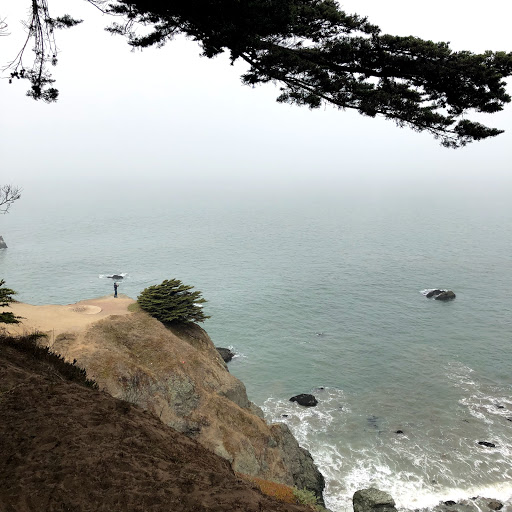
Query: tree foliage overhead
x=40 y=28
x=6 y=298
x=172 y=301
x=319 y=54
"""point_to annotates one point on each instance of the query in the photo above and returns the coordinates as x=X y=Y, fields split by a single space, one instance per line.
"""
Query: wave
x=428 y=290
x=428 y=464
x=237 y=354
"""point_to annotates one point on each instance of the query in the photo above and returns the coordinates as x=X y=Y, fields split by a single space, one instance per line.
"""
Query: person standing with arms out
x=115 y=290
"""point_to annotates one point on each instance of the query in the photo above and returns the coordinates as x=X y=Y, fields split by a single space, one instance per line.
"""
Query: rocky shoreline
x=375 y=500
x=177 y=374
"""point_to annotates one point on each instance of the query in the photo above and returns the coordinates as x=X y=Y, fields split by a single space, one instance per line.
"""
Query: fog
x=167 y=121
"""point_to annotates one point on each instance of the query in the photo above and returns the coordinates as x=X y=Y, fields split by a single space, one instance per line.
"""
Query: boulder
x=3 y=245
x=373 y=500
x=487 y=444
x=226 y=354
x=482 y=504
x=448 y=295
x=305 y=400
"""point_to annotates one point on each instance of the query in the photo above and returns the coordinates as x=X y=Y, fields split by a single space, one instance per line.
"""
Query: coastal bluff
x=67 y=446
x=176 y=373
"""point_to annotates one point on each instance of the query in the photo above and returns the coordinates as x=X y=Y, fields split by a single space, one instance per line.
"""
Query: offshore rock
x=433 y=293
x=3 y=245
x=305 y=400
x=373 y=500
x=226 y=354
x=447 y=295
x=487 y=444
x=176 y=373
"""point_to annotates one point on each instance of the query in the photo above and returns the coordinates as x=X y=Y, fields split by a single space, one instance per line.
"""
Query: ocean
x=318 y=290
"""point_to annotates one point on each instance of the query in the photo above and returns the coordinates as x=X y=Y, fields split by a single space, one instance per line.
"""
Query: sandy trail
x=54 y=320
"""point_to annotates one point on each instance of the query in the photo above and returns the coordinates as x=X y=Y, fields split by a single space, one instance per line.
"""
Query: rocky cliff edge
x=66 y=447
x=178 y=375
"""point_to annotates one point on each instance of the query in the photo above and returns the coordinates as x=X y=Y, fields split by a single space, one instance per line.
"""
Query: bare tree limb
x=3 y=27
x=8 y=194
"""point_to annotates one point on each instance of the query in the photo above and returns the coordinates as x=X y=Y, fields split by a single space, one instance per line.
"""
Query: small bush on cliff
x=305 y=497
x=172 y=301
x=6 y=297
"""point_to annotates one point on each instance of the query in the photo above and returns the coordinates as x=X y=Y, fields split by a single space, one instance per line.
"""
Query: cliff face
x=68 y=447
x=179 y=376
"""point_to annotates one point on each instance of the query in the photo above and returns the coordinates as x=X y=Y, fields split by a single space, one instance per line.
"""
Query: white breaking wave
x=417 y=471
x=428 y=290
x=123 y=275
x=237 y=355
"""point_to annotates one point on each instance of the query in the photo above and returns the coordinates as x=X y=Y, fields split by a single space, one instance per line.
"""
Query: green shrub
x=308 y=498
x=172 y=301
x=304 y=497
x=6 y=297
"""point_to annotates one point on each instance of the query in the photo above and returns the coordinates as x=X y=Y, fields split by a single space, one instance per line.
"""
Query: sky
x=171 y=116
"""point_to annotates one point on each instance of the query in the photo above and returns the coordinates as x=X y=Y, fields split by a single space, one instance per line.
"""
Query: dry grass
x=134 y=308
x=281 y=492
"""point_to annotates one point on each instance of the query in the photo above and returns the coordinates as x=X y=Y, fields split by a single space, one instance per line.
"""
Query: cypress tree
x=317 y=53
x=172 y=301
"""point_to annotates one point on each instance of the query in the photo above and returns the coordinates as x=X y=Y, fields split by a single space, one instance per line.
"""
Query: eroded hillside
x=65 y=447
x=178 y=375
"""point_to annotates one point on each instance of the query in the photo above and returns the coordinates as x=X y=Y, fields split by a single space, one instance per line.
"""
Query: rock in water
x=432 y=293
x=487 y=444
x=226 y=354
x=448 y=295
x=305 y=400
x=373 y=500
x=3 y=245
